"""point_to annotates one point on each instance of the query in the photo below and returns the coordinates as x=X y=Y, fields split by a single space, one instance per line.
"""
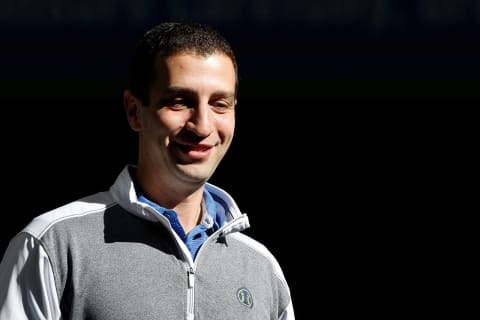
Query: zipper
x=191 y=280
x=193 y=264
x=190 y=293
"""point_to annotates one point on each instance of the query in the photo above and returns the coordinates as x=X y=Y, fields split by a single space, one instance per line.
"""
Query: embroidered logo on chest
x=245 y=297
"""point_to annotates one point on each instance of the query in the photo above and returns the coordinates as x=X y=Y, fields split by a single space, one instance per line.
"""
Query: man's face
x=189 y=124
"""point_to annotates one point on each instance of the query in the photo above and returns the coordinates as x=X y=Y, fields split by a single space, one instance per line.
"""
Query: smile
x=195 y=151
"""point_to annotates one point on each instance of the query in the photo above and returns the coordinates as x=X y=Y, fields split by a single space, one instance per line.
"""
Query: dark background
x=345 y=109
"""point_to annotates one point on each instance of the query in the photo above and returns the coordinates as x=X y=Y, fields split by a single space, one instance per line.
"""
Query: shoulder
x=261 y=252
x=84 y=207
x=254 y=245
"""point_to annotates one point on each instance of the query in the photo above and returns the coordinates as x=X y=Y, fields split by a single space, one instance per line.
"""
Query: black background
x=348 y=116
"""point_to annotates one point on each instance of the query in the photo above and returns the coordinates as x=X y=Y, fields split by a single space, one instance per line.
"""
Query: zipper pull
x=191 y=278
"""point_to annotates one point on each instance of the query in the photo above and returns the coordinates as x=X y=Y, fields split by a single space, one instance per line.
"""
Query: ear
x=133 y=109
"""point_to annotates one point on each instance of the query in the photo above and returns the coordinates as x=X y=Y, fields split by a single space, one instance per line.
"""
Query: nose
x=201 y=120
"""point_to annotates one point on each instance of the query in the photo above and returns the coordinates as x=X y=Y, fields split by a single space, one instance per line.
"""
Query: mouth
x=194 y=151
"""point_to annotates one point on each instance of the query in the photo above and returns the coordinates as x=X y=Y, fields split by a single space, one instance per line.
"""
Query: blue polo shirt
x=210 y=222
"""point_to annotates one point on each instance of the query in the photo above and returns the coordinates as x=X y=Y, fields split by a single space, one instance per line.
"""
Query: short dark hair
x=168 y=39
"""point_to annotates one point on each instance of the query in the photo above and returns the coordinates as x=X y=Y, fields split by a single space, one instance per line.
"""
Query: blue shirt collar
x=211 y=221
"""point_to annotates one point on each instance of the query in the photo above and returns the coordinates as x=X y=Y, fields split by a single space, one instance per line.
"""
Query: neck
x=187 y=203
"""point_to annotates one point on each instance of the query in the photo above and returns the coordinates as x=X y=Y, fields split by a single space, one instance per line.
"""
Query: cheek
x=171 y=121
x=226 y=126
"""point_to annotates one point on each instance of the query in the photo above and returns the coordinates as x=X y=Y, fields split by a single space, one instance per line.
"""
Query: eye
x=222 y=105
x=178 y=103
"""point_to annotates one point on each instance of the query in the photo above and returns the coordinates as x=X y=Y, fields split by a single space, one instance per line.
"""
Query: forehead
x=189 y=69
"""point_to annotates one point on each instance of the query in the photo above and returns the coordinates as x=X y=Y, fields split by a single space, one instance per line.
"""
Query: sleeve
x=284 y=293
x=288 y=313
x=27 y=285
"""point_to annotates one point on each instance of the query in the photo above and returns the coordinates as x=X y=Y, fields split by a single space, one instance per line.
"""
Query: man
x=161 y=243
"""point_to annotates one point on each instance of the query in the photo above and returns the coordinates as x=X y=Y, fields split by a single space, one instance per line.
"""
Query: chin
x=196 y=173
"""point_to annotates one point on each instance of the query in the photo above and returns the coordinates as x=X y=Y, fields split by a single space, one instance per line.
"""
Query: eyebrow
x=188 y=92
